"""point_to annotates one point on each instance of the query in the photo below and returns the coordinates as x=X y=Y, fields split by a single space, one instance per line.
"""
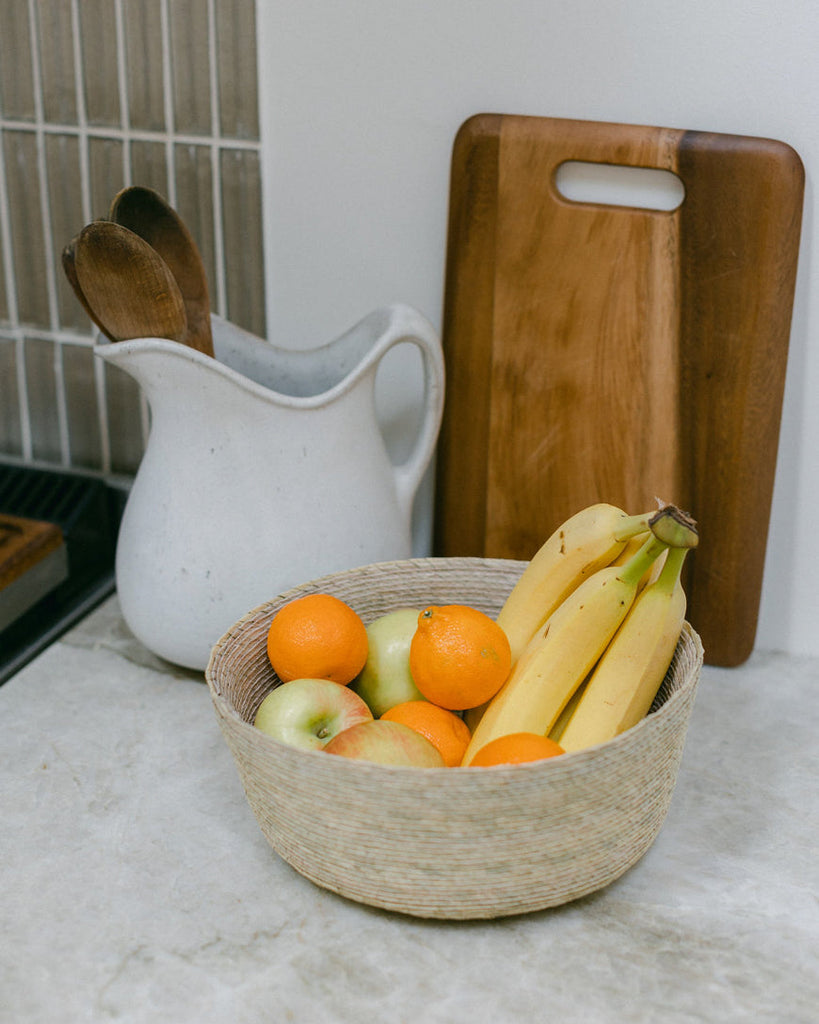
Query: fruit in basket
x=386 y=743
x=459 y=657
x=516 y=748
x=317 y=636
x=444 y=729
x=309 y=713
x=589 y=540
x=567 y=647
x=633 y=666
x=386 y=679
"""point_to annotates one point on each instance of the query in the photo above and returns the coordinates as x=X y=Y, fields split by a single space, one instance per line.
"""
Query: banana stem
x=638 y=564
x=670 y=572
x=630 y=526
x=675 y=527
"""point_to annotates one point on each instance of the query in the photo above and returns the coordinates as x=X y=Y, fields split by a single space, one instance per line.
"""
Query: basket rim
x=226 y=708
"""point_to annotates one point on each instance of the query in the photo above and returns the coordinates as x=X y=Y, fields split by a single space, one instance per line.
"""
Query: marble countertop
x=137 y=885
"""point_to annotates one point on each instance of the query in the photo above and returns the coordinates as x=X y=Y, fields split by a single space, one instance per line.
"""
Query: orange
x=516 y=748
x=317 y=637
x=442 y=728
x=459 y=657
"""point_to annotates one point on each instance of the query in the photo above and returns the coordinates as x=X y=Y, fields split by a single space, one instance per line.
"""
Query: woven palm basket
x=449 y=842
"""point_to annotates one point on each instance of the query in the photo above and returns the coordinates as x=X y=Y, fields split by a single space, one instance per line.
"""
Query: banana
x=563 y=652
x=631 y=548
x=585 y=543
x=473 y=715
x=631 y=669
x=559 y=727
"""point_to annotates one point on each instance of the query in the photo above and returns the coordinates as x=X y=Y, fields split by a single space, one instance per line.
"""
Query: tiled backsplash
x=96 y=95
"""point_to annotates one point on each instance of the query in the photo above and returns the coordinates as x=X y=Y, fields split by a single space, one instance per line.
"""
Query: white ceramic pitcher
x=264 y=468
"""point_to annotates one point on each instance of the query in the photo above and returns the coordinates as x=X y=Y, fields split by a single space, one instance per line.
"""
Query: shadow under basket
x=449 y=842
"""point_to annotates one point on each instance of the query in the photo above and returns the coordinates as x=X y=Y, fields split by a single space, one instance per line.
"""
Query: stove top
x=49 y=594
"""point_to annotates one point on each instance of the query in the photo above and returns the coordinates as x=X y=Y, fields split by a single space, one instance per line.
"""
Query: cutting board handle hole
x=645 y=188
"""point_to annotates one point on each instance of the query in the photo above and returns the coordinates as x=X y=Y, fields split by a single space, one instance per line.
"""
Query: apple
x=385 y=679
x=308 y=713
x=385 y=743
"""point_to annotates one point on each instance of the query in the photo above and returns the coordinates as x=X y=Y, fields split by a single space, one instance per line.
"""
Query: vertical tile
x=242 y=228
x=61 y=376
x=11 y=437
x=41 y=393
x=106 y=173
x=98 y=34
x=65 y=192
x=194 y=203
x=190 y=61
x=149 y=166
x=16 y=78
x=56 y=43
x=236 y=65
x=143 y=45
x=4 y=299
x=81 y=406
x=28 y=246
x=124 y=406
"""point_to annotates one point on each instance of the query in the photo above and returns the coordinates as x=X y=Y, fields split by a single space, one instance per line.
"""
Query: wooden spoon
x=148 y=215
x=126 y=284
x=69 y=266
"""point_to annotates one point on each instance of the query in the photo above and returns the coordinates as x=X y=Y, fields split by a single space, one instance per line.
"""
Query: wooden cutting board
x=612 y=353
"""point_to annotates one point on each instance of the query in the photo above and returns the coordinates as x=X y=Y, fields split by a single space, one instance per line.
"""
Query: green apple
x=386 y=742
x=385 y=679
x=308 y=713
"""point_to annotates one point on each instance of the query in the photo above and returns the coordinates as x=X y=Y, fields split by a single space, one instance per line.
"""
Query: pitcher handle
x=408 y=325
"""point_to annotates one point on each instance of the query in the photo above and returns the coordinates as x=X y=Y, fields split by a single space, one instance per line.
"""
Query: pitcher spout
x=155 y=363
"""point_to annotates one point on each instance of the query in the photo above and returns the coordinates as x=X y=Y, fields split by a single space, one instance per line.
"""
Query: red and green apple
x=385 y=742
x=308 y=713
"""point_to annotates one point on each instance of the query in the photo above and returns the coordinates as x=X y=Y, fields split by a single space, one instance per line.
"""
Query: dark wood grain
x=601 y=353
x=460 y=525
x=737 y=255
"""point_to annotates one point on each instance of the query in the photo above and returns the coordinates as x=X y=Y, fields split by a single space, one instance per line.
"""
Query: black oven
x=87 y=511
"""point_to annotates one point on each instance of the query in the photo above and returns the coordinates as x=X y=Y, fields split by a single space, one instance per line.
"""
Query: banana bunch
x=593 y=622
x=625 y=681
x=589 y=540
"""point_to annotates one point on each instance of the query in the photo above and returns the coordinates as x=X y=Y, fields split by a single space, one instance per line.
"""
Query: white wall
x=362 y=99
